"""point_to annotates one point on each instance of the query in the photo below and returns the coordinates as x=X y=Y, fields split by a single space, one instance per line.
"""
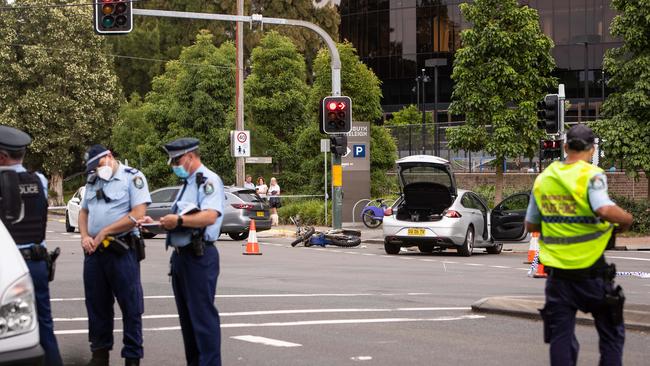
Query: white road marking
x=523 y=269
x=630 y=258
x=351 y=252
x=474 y=264
x=361 y=358
x=505 y=267
x=266 y=341
x=49 y=231
x=369 y=254
x=300 y=323
x=268 y=295
x=289 y=312
x=450 y=262
x=429 y=260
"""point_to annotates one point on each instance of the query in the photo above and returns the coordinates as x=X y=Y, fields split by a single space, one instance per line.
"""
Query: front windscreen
x=425 y=174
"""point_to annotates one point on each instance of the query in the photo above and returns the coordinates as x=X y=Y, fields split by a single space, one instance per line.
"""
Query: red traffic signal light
x=113 y=16
x=336 y=115
x=552 y=149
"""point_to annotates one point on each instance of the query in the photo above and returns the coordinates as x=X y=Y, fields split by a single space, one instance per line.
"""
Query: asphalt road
x=329 y=306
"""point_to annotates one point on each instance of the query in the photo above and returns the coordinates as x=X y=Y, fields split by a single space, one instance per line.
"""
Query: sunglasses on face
x=177 y=160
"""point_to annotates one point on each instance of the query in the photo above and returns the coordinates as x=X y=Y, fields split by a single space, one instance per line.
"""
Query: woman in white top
x=261 y=187
x=274 y=201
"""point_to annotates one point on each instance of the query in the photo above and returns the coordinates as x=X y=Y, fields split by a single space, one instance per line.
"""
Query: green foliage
x=640 y=210
x=193 y=98
x=357 y=81
x=311 y=212
x=625 y=132
x=163 y=38
x=502 y=70
x=409 y=115
x=276 y=103
x=56 y=83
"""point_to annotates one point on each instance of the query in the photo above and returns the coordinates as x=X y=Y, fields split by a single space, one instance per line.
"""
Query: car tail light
x=243 y=206
x=388 y=211
x=453 y=214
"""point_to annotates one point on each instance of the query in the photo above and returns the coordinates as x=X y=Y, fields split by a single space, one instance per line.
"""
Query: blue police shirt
x=19 y=168
x=597 y=192
x=207 y=196
x=126 y=189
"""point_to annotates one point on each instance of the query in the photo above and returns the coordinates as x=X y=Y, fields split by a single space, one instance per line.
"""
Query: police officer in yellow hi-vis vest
x=572 y=210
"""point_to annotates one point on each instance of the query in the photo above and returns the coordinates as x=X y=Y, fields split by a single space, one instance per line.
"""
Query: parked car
x=19 y=339
x=432 y=213
x=72 y=210
x=240 y=206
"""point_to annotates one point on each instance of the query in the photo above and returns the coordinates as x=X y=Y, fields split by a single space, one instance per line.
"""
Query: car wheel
x=68 y=228
x=425 y=248
x=468 y=246
x=238 y=236
x=391 y=248
x=495 y=249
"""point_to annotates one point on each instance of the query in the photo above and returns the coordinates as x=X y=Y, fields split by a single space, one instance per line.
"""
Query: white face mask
x=105 y=172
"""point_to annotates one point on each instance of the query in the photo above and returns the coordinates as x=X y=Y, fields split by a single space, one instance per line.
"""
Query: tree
x=193 y=98
x=56 y=83
x=156 y=38
x=625 y=132
x=276 y=102
x=362 y=86
x=501 y=72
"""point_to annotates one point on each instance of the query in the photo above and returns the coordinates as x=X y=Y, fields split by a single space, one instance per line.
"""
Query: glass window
x=479 y=204
x=578 y=21
x=248 y=196
x=466 y=201
x=515 y=203
x=430 y=174
x=561 y=22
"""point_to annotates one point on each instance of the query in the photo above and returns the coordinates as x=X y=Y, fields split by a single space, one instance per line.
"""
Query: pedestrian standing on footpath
x=261 y=187
x=116 y=197
x=274 y=201
x=193 y=228
x=572 y=210
x=249 y=182
x=29 y=233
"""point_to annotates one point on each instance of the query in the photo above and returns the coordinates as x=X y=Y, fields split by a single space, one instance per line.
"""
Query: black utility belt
x=189 y=248
x=34 y=253
x=600 y=269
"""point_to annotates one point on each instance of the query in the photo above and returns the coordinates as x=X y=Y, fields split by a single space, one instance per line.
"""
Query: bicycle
x=310 y=236
x=372 y=216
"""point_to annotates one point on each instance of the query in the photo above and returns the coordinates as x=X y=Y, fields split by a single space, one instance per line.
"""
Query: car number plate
x=260 y=213
x=416 y=232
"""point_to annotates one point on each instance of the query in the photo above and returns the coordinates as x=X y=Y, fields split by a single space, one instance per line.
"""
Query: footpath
x=637 y=316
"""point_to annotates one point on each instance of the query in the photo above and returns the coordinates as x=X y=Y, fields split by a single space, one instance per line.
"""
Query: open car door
x=508 y=219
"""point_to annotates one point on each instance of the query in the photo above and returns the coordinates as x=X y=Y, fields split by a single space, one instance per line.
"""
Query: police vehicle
x=19 y=339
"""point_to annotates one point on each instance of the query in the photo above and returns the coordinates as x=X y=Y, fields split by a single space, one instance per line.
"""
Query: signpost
x=241 y=143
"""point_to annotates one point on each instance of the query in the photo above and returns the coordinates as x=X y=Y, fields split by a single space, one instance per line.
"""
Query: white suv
x=19 y=340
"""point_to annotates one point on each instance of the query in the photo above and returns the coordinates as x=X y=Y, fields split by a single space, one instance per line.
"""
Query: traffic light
x=548 y=114
x=113 y=16
x=336 y=115
x=339 y=144
x=552 y=149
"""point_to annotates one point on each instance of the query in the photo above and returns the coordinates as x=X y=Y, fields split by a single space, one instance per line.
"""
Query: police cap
x=13 y=139
x=93 y=155
x=180 y=147
x=580 y=137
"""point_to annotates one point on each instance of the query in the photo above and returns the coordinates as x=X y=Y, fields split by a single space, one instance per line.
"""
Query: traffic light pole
x=335 y=64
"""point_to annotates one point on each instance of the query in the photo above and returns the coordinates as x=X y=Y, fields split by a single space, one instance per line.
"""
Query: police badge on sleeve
x=208 y=188
x=138 y=182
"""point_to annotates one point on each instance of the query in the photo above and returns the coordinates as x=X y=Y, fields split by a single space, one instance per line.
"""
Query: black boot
x=100 y=358
x=131 y=362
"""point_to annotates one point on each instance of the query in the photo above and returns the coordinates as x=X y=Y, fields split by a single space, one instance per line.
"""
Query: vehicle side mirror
x=10 y=200
x=75 y=200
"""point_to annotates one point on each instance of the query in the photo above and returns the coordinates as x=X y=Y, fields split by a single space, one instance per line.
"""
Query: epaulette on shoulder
x=130 y=170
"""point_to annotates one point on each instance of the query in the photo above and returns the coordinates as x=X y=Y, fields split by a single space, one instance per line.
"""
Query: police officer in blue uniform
x=29 y=233
x=193 y=229
x=116 y=197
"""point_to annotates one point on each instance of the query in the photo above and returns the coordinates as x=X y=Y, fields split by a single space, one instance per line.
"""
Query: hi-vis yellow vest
x=572 y=236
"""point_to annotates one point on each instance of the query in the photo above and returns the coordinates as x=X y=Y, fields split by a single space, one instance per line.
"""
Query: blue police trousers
x=563 y=298
x=109 y=276
x=38 y=271
x=194 y=281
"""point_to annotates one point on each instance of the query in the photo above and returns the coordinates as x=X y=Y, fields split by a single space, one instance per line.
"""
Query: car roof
x=422 y=159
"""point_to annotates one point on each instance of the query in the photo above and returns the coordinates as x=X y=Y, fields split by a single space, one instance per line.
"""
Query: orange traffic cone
x=533 y=248
x=252 y=247
x=540 y=271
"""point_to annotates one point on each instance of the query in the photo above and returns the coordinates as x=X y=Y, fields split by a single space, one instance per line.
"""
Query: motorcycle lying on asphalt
x=310 y=236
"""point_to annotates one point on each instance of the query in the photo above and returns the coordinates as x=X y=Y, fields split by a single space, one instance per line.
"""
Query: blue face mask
x=180 y=171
